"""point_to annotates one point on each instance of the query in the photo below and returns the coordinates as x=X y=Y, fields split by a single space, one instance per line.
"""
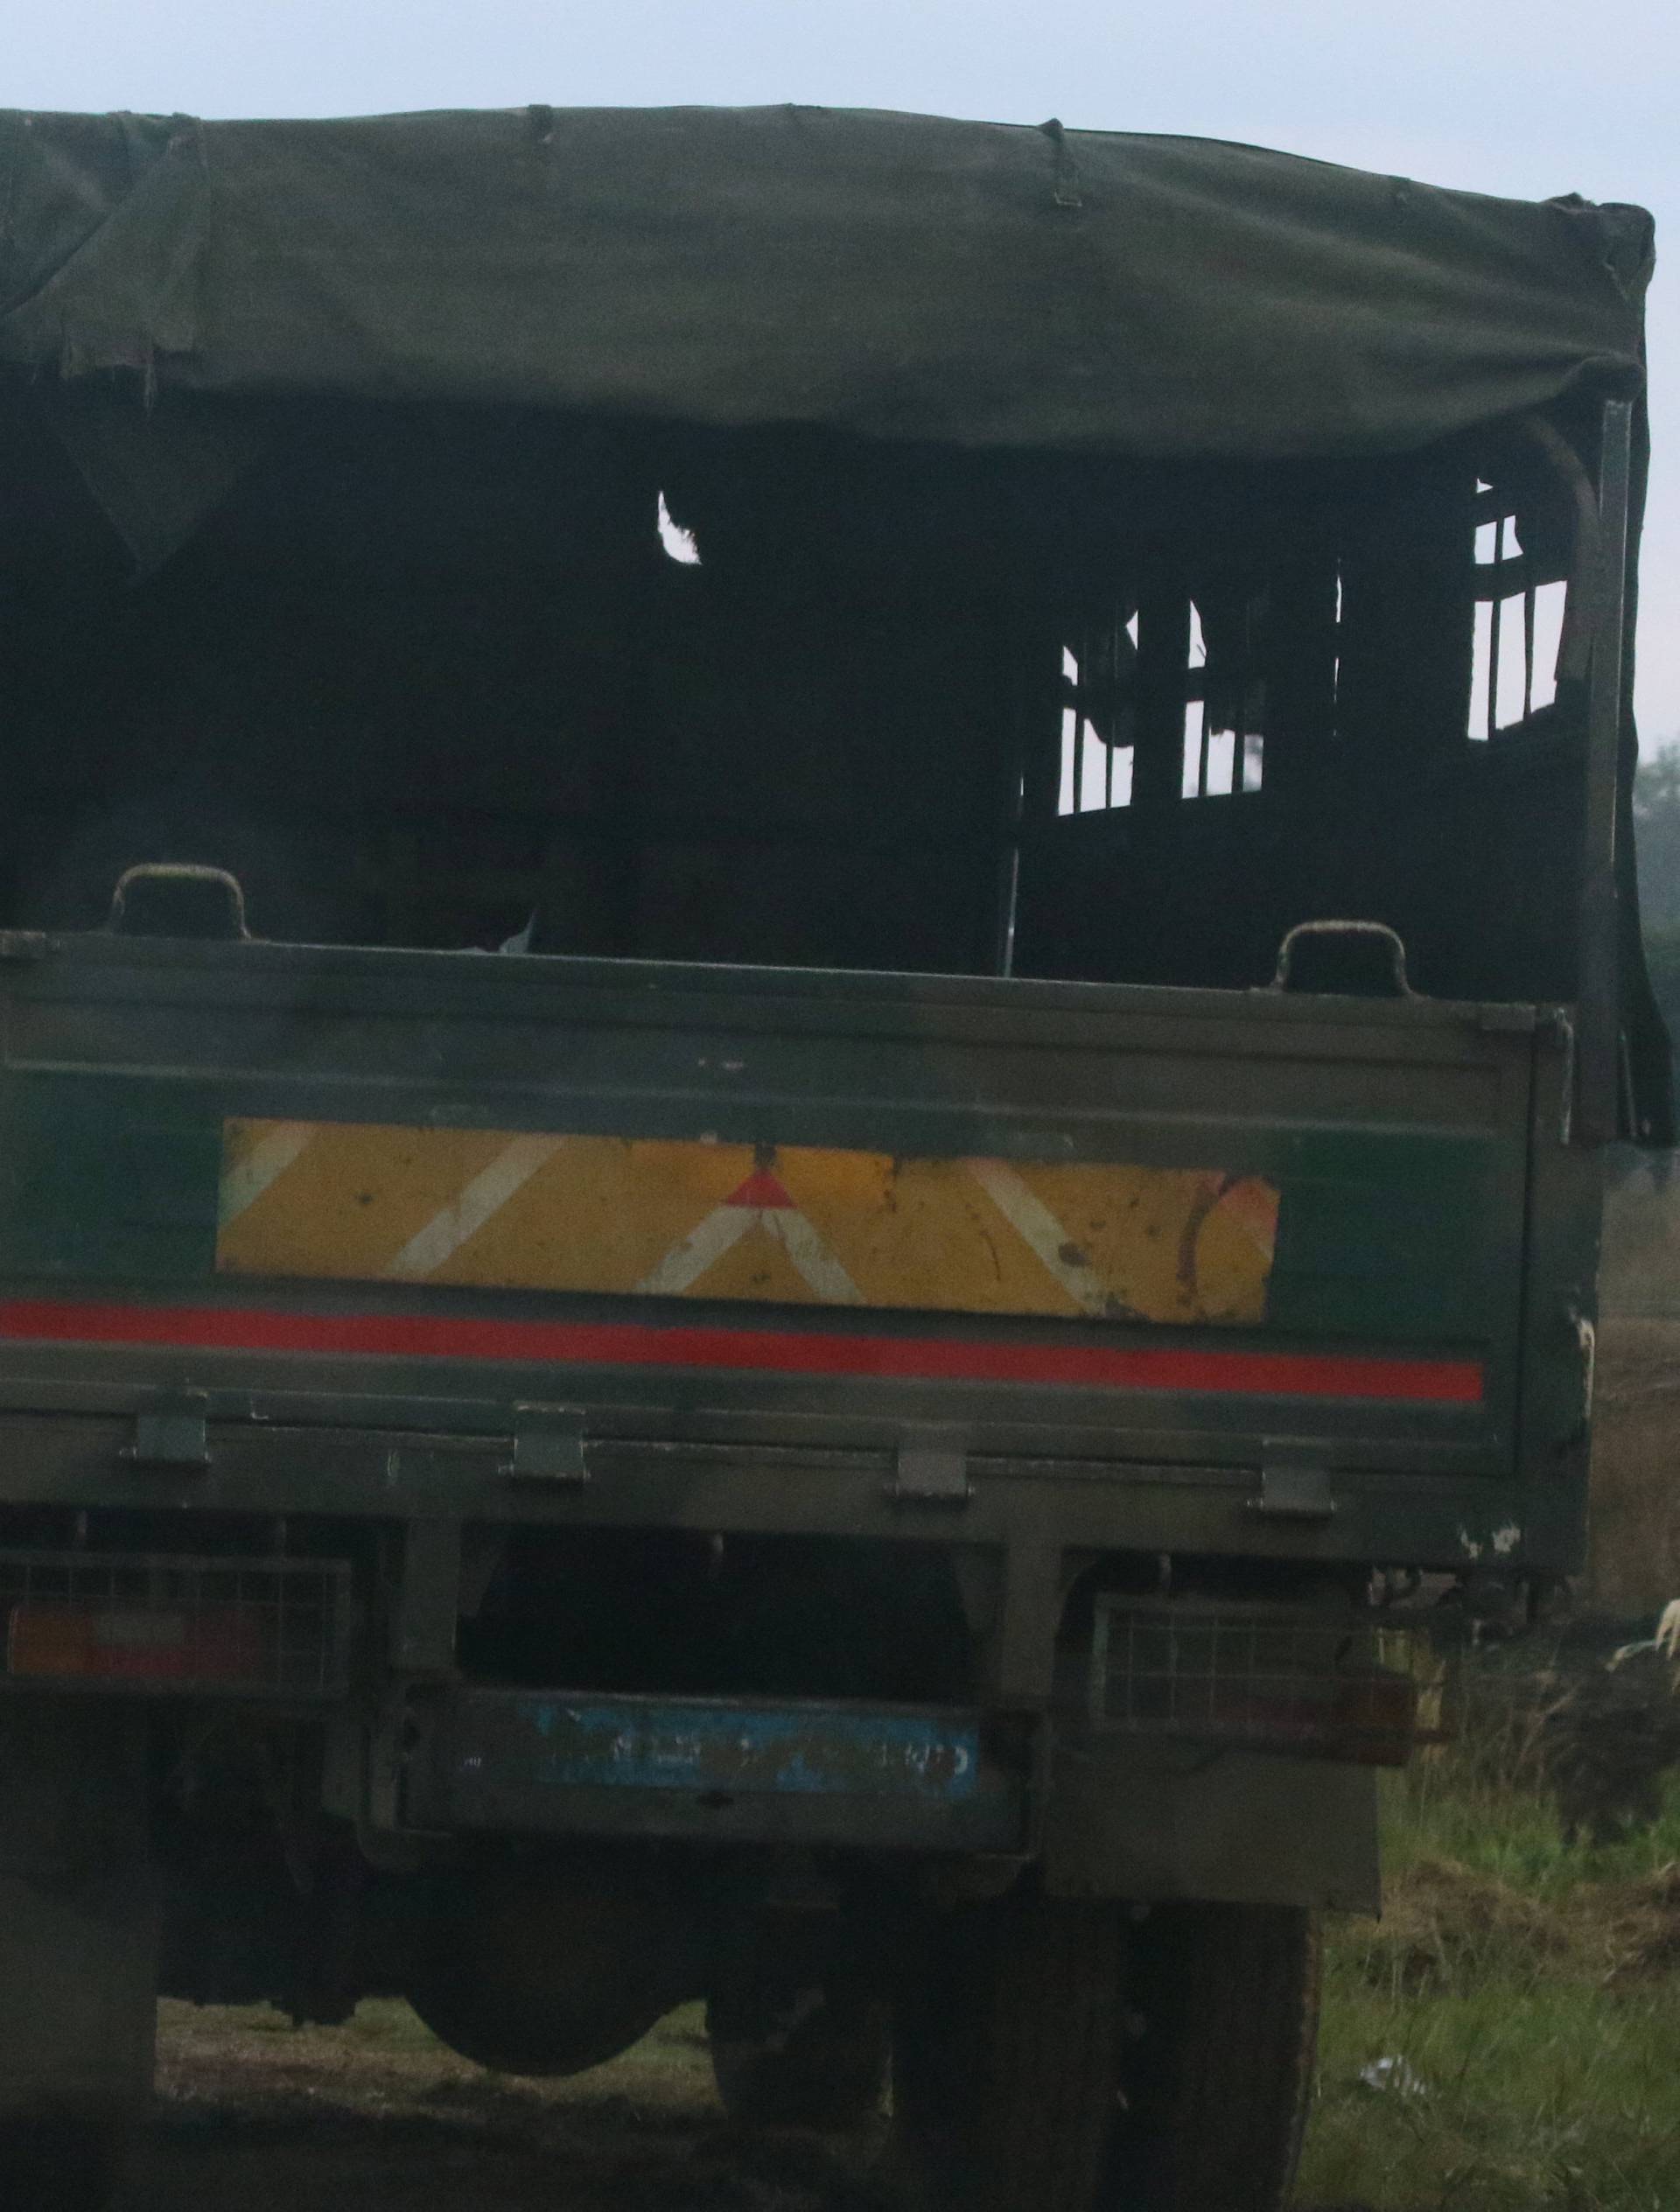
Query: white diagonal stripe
x=1044 y=1235
x=811 y=1257
x=265 y=1163
x=704 y=1246
x=485 y=1196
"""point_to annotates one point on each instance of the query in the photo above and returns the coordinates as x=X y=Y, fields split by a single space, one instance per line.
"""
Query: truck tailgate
x=1101 y=1222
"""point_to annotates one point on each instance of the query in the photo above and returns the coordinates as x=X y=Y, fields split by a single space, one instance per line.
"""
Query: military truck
x=818 y=931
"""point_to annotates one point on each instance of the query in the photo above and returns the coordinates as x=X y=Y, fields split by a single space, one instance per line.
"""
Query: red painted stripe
x=426 y=1336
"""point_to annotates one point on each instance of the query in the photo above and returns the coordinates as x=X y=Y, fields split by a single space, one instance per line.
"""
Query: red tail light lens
x=136 y=1643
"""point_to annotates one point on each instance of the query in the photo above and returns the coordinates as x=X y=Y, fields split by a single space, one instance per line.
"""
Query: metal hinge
x=172 y=1433
x=1562 y=1033
x=1586 y=1343
x=931 y=1469
x=549 y=1445
x=1293 y=1488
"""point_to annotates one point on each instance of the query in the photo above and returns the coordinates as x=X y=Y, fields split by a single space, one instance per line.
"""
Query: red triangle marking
x=760 y=1189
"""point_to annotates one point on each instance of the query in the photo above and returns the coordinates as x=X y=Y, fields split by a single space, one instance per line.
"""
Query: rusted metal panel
x=679 y=1744
x=549 y=1762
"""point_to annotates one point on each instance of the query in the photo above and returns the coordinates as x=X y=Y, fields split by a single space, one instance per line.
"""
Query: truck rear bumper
x=1103 y=1817
x=553 y=1763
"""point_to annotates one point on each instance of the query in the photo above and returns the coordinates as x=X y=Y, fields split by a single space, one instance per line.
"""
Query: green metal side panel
x=1383 y=1234
x=106 y=1180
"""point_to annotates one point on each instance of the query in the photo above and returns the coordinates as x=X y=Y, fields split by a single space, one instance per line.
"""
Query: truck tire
x=549 y=1965
x=822 y=2064
x=1006 y=2043
x=78 y=1951
x=1222 y=2013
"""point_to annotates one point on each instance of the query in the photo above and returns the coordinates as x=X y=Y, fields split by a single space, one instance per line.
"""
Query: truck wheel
x=78 y=1952
x=1005 y=2042
x=821 y=2063
x=1222 y=2015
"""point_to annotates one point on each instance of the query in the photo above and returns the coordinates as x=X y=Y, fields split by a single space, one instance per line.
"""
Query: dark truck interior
x=429 y=675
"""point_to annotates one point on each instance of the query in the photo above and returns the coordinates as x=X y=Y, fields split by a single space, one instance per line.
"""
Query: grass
x=1529 y=1991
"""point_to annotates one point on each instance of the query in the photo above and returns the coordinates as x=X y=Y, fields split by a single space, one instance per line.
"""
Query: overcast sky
x=1525 y=97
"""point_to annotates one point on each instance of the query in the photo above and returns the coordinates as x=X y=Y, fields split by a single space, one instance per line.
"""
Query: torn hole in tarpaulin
x=93 y=329
x=157 y=469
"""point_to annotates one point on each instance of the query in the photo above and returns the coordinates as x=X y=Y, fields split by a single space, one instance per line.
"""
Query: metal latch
x=931 y=1469
x=1293 y=1487
x=549 y=1444
x=172 y=1432
x=1586 y=1341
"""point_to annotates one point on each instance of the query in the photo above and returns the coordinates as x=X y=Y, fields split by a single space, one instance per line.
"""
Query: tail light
x=127 y=1643
x=259 y=1628
x=1259 y=1675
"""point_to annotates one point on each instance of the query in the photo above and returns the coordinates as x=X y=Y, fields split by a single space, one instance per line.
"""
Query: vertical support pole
x=1599 y=980
x=1494 y=609
x=1527 y=648
x=1036 y=768
x=1163 y=662
x=1300 y=696
x=1021 y=1661
x=428 y=1600
x=1012 y=807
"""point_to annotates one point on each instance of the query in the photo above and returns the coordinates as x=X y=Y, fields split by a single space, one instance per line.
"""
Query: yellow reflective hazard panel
x=798 y=1225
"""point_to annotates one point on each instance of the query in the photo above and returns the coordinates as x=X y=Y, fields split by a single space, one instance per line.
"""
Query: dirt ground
x=256 y=2115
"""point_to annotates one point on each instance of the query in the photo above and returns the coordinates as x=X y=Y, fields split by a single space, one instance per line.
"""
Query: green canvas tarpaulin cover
x=898 y=276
